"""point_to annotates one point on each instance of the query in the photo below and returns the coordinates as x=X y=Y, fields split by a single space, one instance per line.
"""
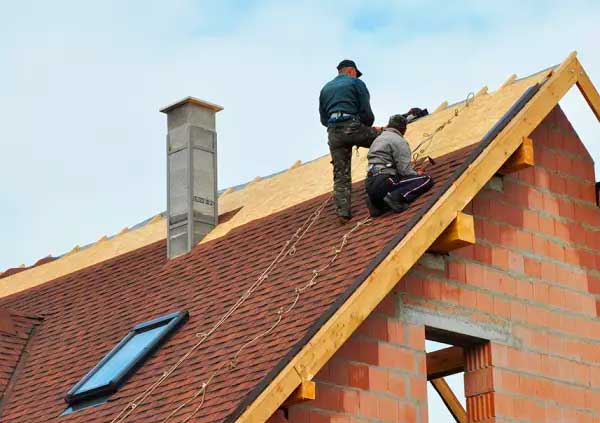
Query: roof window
x=120 y=363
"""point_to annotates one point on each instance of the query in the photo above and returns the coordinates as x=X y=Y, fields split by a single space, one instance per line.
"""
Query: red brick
x=397 y=384
x=387 y=409
x=407 y=413
x=396 y=358
x=368 y=404
x=358 y=376
x=418 y=388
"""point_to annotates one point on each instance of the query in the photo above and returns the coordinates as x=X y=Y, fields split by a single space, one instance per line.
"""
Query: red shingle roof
x=86 y=313
x=15 y=332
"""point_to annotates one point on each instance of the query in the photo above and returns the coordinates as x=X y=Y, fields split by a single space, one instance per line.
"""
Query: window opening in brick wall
x=439 y=404
x=460 y=368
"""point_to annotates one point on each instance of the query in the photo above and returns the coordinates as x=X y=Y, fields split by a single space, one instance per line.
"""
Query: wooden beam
x=587 y=89
x=509 y=81
x=460 y=233
x=520 y=159
x=306 y=391
x=441 y=107
x=446 y=362
x=454 y=406
x=482 y=91
x=379 y=283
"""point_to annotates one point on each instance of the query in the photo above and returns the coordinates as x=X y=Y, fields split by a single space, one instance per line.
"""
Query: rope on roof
x=419 y=151
x=288 y=249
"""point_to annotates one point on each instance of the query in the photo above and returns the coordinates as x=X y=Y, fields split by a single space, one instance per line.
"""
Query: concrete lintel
x=460 y=325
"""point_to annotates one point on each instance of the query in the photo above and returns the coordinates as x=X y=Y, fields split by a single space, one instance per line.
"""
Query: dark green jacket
x=345 y=94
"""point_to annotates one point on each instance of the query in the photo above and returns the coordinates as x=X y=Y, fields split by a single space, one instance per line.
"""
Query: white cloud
x=83 y=142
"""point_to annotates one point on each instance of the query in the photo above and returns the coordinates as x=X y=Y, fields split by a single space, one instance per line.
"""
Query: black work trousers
x=342 y=137
x=401 y=189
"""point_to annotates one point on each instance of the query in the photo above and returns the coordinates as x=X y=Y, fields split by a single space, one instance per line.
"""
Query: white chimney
x=191 y=173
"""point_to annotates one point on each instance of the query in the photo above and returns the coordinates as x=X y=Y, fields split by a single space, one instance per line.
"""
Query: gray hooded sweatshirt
x=391 y=150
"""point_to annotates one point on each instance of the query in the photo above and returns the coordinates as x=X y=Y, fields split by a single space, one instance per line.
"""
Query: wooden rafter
x=306 y=391
x=522 y=158
x=509 y=81
x=452 y=403
x=445 y=362
x=459 y=233
x=441 y=107
x=587 y=89
x=340 y=326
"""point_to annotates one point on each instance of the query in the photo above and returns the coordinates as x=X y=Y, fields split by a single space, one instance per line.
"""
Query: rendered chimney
x=191 y=173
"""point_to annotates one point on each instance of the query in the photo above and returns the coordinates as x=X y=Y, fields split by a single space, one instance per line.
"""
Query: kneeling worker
x=392 y=183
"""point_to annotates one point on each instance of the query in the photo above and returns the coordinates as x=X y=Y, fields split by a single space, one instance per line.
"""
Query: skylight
x=112 y=371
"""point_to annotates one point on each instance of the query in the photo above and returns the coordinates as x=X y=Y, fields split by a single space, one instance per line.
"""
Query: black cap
x=346 y=63
x=398 y=121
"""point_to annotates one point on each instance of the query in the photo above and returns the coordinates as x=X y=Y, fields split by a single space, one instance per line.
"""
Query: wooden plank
x=452 y=403
x=446 y=362
x=386 y=275
x=509 y=81
x=460 y=233
x=588 y=90
x=306 y=391
x=441 y=107
x=522 y=158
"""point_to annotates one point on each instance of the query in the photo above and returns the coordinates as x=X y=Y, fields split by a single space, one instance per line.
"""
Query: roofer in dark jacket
x=392 y=183
x=345 y=109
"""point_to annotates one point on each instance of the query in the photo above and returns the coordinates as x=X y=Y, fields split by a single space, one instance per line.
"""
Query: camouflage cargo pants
x=342 y=137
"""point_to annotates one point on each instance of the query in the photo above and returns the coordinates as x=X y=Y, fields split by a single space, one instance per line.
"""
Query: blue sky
x=82 y=145
x=82 y=82
x=83 y=141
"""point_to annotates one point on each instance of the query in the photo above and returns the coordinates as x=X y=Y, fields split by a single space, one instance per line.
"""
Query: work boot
x=396 y=206
x=342 y=220
x=373 y=211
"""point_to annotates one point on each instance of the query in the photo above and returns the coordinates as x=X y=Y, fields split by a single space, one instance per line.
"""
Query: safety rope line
x=281 y=312
x=425 y=144
x=420 y=149
x=289 y=248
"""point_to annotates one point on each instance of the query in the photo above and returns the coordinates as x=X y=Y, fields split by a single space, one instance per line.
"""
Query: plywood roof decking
x=269 y=195
x=283 y=190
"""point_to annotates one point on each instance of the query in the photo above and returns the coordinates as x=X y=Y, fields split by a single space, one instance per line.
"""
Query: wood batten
x=482 y=91
x=509 y=81
x=306 y=391
x=446 y=362
x=522 y=158
x=460 y=233
x=587 y=89
x=441 y=106
x=452 y=403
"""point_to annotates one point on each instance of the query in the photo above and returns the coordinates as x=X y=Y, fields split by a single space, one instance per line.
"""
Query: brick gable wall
x=531 y=285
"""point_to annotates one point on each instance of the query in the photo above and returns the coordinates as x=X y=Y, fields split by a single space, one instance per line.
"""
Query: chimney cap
x=192 y=100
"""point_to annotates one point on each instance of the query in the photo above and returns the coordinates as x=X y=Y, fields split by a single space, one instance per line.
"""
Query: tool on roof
x=414 y=114
x=419 y=156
